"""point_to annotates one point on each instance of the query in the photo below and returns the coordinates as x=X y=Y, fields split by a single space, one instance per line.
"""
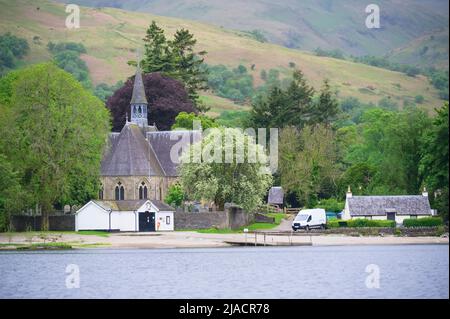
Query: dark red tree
x=166 y=98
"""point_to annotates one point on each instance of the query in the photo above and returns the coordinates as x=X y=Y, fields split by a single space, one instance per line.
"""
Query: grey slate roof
x=138 y=89
x=129 y=154
x=120 y=205
x=130 y=205
x=162 y=206
x=276 y=195
x=162 y=143
x=380 y=205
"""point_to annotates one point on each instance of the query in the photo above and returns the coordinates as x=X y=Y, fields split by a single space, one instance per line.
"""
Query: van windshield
x=301 y=217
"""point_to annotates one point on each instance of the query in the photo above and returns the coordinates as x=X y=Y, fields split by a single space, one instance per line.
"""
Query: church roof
x=129 y=154
x=129 y=205
x=380 y=205
x=138 y=96
x=163 y=142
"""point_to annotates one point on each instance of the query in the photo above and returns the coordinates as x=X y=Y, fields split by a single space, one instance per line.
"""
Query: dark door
x=390 y=216
x=147 y=221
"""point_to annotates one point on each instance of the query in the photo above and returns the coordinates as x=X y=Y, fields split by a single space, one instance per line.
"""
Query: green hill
x=308 y=24
x=111 y=37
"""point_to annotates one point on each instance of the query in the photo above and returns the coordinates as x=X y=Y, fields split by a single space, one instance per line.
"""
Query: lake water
x=413 y=271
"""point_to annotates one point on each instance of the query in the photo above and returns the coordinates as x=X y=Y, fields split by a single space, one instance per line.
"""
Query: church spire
x=139 y=102
x=138 y=88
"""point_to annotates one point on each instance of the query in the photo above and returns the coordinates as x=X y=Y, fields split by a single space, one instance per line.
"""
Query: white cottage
x=125 y=215
x=396 y=208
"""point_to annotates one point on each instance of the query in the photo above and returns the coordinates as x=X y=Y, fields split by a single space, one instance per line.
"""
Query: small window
x=119 y=192
x=100 y=192
x=143 y=191
x=167 y=220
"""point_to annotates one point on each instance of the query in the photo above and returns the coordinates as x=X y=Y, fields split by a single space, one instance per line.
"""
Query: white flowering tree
x=226 y=166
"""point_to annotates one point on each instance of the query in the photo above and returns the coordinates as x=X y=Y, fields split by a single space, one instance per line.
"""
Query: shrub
x=355 y=223
x=419 y=99
x=333 y=223
x=423 y=222
x=361 y=222
x=331 y=205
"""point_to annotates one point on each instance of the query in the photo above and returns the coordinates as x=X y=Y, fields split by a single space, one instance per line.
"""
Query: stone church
x=137 y=163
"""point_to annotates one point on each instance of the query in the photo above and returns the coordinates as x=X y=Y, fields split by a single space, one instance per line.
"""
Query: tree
x=242 y=182
x=56 y=138
x=175 y=58
x=157 y=53
x=167 y=98
x=389 y=150
x=185 y=121
x=12 y=48
x=434 y=164
x=187 y=63
x=327 y=106
x=294 y=106
x=67 y=56
x=12 y=196
x=308 y=162
x=175 y=195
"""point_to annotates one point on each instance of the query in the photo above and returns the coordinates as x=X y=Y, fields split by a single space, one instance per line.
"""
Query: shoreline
x=189 y=239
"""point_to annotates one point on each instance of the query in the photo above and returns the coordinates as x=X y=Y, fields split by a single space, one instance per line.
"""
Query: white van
x=310 y=218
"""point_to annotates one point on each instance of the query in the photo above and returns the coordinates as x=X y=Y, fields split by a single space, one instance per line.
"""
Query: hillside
x=428 y=50
x=308 y=24
x=111 y=37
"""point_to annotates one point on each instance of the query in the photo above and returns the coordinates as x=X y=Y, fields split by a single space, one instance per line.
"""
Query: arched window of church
x=143 y=191
x=139 y=110
x=119 y=192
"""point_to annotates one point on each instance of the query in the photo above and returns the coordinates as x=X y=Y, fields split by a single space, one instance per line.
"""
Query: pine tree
x=187 y=63
x=176 y=59
x=327 y=106
x=158 y=57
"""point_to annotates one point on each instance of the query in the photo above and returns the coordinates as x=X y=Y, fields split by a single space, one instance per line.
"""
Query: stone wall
x=380 y=231
x=232 y=217
x=200 y=220
x=262 y=218
x=33 y=223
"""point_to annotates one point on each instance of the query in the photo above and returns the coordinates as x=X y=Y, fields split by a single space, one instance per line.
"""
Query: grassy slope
x=428 y=50
x=309 y=24
x=111 y=37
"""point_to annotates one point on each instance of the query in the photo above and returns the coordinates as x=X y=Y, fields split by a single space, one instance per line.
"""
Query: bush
x=360 y=222
x=331 y=205
x=423 y=222
x=419 y=99
x=333 y=223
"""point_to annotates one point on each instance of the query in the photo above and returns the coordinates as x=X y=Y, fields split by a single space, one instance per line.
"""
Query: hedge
x=423 y=222
x=361 y=222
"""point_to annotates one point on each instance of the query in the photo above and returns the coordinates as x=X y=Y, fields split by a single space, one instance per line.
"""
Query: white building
x=396 y=208
x=125 y=215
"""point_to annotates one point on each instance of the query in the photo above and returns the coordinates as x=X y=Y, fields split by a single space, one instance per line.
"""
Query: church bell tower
x=139 y=102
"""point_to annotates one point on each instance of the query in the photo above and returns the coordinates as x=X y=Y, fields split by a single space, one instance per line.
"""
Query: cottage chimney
x=425 y=192
x=349 y=192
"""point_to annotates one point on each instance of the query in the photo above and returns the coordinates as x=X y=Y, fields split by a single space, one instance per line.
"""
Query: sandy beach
x=181 y=239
